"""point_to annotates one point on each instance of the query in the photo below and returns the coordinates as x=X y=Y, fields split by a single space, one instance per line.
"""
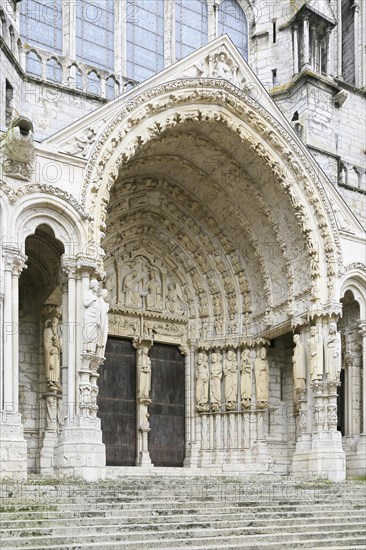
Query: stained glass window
x=145 y=38
x=232 y=21
x=95 y=33
x=190 y=26
x=41 y=23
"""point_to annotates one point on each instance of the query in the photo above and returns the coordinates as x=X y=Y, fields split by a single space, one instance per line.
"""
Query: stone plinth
x=13 y=448
x=81 y=452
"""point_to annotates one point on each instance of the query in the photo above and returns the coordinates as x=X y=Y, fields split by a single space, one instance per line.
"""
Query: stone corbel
x=17 y=149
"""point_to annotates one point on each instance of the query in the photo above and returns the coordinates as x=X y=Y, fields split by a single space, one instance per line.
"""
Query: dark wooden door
x=117 y=402
x=167 y=408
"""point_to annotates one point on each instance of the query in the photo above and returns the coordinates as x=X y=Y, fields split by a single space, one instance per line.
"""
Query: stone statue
x=221 y=67
x=144 y=366
x=315 y=361
x=202 y=383
x=52 y=353
x=103 y=331
x=332 y=353
x=231 y=380
x=299 y=364
x=153 y=287
x=261 y=369
x=215 y=381
x=246 y=369
x=17 y=149
x=92 y=317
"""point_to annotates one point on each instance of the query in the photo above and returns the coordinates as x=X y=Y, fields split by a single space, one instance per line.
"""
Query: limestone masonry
x=182 y=274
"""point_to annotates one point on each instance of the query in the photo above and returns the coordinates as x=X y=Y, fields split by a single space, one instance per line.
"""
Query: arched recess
x=34 y=209
x=215 y=226
x=352 y=326
x=46 y=233
x=40 y=301
x=219 y=150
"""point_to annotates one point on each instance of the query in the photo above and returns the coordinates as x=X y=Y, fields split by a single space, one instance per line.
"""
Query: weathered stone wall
x=30 y=364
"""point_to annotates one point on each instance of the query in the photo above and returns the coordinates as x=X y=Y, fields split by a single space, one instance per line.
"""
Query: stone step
x=228 y=540
x=238 y=526
x=176 y=507
x=235 y=517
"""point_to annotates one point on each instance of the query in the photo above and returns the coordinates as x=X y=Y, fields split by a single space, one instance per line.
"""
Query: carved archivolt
x=287 y=165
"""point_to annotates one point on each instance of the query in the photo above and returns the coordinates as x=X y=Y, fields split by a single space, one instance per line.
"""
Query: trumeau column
x=80 y=451
x=12 y=443
x=143 y=390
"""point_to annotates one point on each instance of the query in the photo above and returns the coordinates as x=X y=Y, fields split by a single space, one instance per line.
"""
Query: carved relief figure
x=133 y=297
x=52 y=353
x=91 y=330
x=246 y=369
x=215 y=381
x=202 y=383
x=144 y=366
x=221 y=67
x=261 y=369
x=299 y=364
x=315 y=362
x=174 y=300
x=231 y=380
x=153 y=297
x=103 y=332
x=332 y=353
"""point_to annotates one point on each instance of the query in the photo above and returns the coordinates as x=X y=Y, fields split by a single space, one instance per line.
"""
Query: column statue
x=52 y=353
x=231 y=380
x=103 y=332
x=299 y=364
x=261 y=369
x=92 y=317
x=202 y=383
x=215 y=381
x=315 y=361
x=332 y=353
x=246 y=369
x=144 y=366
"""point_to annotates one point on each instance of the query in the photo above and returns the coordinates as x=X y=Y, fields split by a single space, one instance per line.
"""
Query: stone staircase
x=173 y=511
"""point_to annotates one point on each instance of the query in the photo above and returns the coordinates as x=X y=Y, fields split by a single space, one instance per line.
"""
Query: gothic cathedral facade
x=182 y=210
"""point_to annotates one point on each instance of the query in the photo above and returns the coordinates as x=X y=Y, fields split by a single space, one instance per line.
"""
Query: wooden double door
x=117 y=404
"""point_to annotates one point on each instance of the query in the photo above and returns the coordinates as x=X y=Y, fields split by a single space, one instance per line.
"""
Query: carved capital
x=14 y=260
